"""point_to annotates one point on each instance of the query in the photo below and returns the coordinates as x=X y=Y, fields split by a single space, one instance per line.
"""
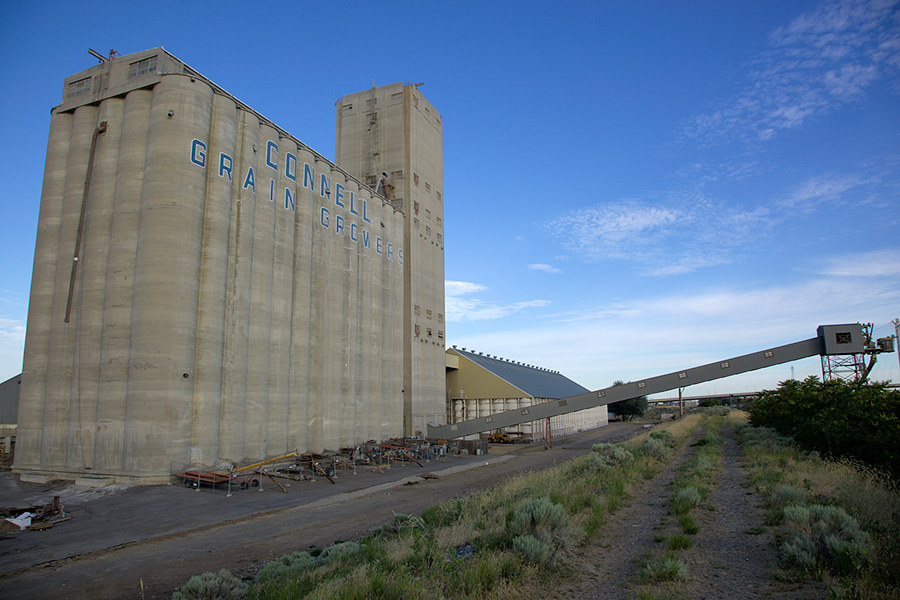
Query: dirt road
x=162 y=536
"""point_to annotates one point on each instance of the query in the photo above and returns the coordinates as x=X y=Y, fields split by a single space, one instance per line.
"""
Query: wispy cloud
x=822 y=59
x=544 y=267
x=458 y=288
x=669 y=237
x=878 y=263
x=816 y=191
x=476 y=309
x=613 y=230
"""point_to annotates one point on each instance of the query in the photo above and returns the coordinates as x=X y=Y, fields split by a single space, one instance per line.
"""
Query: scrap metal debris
x=294 y=466
x=33 y=518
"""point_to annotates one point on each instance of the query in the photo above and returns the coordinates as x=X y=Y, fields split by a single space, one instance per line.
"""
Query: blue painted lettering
x=353 y=203
x=324 y=185
x=339 y=225
x=271 y=190
x=225 y=165
x=390 y=251
x=290 y=166
x=400 y=255
x=249 y=181
x=366 y=212
x=198 y=153
x=270 y=148
x=308 y=176
x=378 y=244
x=323 y=217
x=365 y=236
x=288 y=199
x=339 y=194
x=354 y=232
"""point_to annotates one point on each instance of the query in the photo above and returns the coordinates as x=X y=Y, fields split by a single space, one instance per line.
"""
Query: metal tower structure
x=854 y=367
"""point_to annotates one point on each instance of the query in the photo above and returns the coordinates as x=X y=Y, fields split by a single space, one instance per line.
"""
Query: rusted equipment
x=194 y=478
x=36 y=517
x=266 y=473
x=318 y=468
x=267 y=461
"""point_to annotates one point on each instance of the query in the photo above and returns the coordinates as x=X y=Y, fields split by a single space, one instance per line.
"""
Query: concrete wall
x=237 y=296
x=395 y=129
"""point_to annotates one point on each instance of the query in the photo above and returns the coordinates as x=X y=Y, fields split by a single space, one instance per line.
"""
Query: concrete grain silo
x=206 y=287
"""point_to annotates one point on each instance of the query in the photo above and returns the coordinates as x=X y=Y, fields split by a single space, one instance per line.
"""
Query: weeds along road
x=101 y=566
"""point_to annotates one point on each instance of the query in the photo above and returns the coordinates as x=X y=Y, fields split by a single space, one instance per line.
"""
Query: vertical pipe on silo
x=366 y=350
x=59 y=364
x=336 y=319
x=167 y=266
x=261 y=282
x=301 y=350
x=319 y=393
x=386 y=303
x=374 y=340
x=87 y=308
x=48 y=258
x=362 y=350
x=233 y=418
x=393 y=298
x=283 y=285
x=398 y=302
x=117 y=306
x=354 y=277
x=349 y=323
x=214 y=251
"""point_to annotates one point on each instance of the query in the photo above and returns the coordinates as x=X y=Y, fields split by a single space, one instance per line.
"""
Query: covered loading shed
x=479 y=385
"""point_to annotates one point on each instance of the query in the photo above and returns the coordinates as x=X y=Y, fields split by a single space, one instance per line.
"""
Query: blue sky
x=630 y=188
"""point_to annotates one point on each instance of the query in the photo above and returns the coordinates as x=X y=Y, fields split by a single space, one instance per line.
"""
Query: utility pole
x=896 y=323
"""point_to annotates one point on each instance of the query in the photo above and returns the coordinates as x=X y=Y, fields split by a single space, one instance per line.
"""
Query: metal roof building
x=481 y=384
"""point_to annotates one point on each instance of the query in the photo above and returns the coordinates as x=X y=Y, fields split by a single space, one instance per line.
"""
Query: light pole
x=896 y=323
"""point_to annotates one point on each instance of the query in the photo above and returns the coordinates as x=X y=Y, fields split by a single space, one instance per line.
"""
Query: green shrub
x=538 y=517
x=824 y=536
x=655 y=448
x=212 y=586
x=622 y=456
x=604 y=449
x=547 y=524
x=338 y=551
x=663 y=569
x=680 y=541
x=537 y=550
x=785 y=495
x=598 y=462
x=665 y=436
x=443 y=514
x=604 y=456
x=688 y=525
x=835 y=417
x=288 y=565
x=685 y=500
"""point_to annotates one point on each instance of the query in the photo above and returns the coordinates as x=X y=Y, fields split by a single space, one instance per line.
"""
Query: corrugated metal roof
x=535 y=382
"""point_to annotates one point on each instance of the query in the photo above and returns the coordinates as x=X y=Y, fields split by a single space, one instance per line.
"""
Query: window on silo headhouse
x=147 y=65
x=77 y=88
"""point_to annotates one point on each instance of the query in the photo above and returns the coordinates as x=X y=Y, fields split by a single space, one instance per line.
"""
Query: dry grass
x=867 y=495
x=417 y=557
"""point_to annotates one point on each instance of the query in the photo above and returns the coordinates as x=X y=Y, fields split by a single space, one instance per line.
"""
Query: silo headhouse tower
x=209 y=289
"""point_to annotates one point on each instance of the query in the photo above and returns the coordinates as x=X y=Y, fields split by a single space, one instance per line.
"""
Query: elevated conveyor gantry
x=831 y=340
